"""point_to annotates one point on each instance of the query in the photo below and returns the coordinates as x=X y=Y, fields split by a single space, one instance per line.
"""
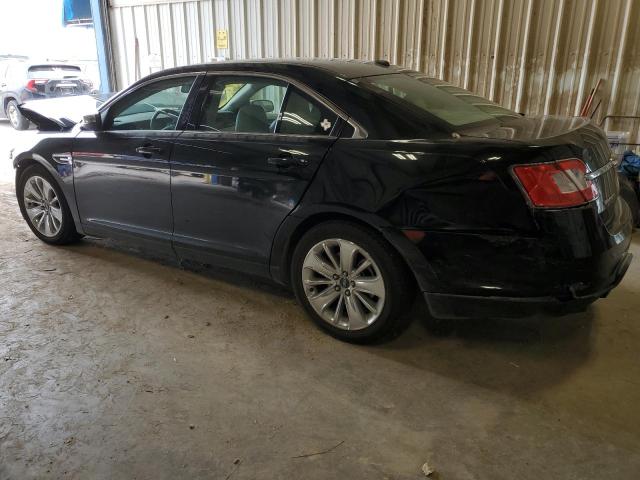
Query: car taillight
x=558 y=184
x=33 y=83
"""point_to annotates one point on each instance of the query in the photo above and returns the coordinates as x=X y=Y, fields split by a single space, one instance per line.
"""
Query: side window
x=156 y=106
x=270 y=98
x=302 y=115
x=242 y=104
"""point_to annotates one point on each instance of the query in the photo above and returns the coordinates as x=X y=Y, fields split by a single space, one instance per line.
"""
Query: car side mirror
x=266 y=105
x=92 y=122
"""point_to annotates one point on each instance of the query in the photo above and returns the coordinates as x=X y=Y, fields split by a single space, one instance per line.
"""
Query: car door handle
x=287 y=161
x=148 y=150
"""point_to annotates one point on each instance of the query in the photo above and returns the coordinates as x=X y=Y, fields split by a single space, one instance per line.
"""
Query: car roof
x=345 y=69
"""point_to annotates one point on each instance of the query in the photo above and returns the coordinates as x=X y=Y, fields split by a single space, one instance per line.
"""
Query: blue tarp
x=76 y=12
x=630 y=165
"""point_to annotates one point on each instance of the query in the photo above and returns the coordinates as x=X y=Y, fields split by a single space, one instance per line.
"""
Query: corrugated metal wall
x=534 y=56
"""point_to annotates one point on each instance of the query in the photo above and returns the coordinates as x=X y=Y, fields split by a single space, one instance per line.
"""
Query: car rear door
x=121 y=173
x=252 y=148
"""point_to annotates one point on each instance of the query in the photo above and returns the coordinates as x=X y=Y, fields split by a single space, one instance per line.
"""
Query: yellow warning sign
x=222 y=39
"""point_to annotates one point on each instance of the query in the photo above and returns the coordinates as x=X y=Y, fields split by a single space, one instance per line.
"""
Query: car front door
x=122 y=173
x=251 y=150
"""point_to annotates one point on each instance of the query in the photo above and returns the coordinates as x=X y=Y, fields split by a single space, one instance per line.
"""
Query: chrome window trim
x=154 y=80
x=596 y=173
x=136 y=87
x=358 y=131
x=260 y=134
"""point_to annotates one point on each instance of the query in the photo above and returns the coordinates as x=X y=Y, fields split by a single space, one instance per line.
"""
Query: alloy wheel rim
x=343 y=284
x=13 y=114
x=42 y=206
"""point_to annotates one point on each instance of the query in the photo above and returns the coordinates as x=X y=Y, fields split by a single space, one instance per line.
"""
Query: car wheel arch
x=27 y=159
x=21 y=164
x=294 y=227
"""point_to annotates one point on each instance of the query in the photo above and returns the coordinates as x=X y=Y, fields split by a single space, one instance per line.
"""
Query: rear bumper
x=451 y=306
x=573 y=260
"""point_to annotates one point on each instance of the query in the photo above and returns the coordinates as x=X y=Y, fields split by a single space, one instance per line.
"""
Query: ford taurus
x=356 y=184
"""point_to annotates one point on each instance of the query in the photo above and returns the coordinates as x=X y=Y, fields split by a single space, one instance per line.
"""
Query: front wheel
x=44 y=207
x=351 y=282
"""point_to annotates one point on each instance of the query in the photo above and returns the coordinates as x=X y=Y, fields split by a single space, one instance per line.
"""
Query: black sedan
x=354 y=183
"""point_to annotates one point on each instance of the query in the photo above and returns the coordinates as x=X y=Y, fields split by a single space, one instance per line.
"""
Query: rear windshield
x=455 y=106
x=53 y=71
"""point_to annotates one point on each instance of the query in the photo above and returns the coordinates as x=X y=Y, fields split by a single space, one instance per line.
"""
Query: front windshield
x=455 y=106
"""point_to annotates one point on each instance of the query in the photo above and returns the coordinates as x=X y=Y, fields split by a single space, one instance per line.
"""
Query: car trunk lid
x=584 y=140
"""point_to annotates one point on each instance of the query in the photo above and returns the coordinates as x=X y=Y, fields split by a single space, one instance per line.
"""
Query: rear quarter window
x=452 y=105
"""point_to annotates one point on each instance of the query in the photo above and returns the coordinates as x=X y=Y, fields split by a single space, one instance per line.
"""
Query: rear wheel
x=351 y=282
x=44 y=207
x=17 y=120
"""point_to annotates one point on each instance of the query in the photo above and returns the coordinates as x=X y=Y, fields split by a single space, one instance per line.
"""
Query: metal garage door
x=520 y=53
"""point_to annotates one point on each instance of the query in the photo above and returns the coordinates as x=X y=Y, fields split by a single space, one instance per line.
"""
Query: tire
x=346 y=316
x=629 y=195
x=54 y=212
x=17 y=120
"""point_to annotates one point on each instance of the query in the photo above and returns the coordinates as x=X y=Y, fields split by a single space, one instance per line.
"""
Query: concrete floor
x=113 y=365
